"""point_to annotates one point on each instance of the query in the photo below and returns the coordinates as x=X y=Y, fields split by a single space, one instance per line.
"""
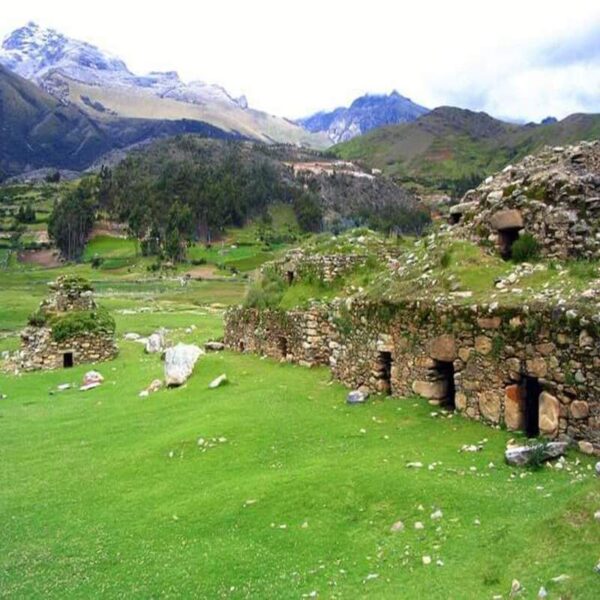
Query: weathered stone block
x=507 y=219
x=514 y=409
x=443 y=348
x=435 y=390
x=579 y=409
x=483 y=344
x=549 y=412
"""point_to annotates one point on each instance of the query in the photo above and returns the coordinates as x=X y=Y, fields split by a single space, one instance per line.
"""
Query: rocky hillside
x=101 y=84
x=452 y=149
x=365 y=113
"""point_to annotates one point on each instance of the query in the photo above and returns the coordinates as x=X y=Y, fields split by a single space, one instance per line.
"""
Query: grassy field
x=107 y=494
x=291 y=494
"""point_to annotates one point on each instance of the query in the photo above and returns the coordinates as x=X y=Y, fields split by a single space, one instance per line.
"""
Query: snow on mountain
x=39 y=54
x=365 y=113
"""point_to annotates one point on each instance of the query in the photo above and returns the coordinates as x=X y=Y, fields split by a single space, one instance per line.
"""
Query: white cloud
x=513 y=58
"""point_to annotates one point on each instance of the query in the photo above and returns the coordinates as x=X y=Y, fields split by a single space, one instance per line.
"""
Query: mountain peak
x=365 y=113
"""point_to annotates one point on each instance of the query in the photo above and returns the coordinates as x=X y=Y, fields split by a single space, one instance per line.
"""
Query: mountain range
x=365 y=113
x=102 y=86
x=453 y=149
x=65 y=104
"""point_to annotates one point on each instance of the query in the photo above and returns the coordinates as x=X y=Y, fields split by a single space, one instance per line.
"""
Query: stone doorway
x=290 y=275
x=67 y=360
x=283 y=346
x=532 y=391
x=444 y=371
x=241 y=346
x=384 y=364
x=506 y=239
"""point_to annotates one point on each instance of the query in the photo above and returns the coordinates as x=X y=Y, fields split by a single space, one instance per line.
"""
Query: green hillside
x=452 y=149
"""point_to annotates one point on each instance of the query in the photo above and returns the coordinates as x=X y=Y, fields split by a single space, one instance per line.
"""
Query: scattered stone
x=220 y=380
x=419 y=525
x=522 y=455
x=515 y=587
x=426 y=560
x=63 y=386
x=597 y=468
x=371 y=576
x=89 y=386
x=179 y=363
x=437 y=514
x=155 y=343
x=397 y=526
x=144 y=394
x=414 y=465
x=357 y=397
x=561 y=578
x=214 y=346
x=542 y=593
x=132 y=337
x=586 y=447
x=92 y=377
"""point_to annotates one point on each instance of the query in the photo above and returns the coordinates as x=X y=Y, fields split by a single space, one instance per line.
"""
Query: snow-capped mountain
x=99 y=83
x=365 y=113
x=38 y=54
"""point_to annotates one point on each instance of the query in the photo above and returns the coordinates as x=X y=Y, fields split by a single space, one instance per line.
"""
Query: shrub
x=84 y=321
x=266 y=292
x=526 y=248
x=446 y=259
x=37 y=318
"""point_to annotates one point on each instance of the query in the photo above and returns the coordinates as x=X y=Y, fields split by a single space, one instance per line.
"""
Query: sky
x=518 y=60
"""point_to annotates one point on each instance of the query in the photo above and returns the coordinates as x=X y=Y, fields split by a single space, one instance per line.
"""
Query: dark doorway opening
x=241 y=346
x=533 y=390
x=455 y=218
x=67 y=360
x=290 y=277
x=385 y=372
x=506 y=239
x=283 y=346
x=445 y=372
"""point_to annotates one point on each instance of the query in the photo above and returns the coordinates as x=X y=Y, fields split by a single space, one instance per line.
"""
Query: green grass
x=106 y=494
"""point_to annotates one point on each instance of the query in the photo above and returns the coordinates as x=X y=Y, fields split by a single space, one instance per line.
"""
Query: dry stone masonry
x=67 y=330
x=535 y=369
x=554 y=196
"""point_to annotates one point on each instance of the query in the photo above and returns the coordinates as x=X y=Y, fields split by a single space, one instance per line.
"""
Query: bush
x=96 y=261
x=525 y=249
x=84 y=321
x=37 y=318
x=446 y=259
x=266 y=292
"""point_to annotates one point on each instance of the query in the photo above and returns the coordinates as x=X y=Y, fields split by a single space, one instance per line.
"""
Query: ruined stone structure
x=297 y=265
x=67 y=330
x=535 y=369
x=554 y=196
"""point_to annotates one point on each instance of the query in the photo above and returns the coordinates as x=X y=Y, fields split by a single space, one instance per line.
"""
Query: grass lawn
x=105 y=494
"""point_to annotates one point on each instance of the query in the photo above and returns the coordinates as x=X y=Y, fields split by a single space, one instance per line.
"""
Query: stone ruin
x=534 y=368
x=554 y=196
x=68 y=329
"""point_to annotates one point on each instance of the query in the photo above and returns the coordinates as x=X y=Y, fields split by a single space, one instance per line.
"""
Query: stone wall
x=326 y=267
x=40 y=351
x=554 y=196
x=484 y=360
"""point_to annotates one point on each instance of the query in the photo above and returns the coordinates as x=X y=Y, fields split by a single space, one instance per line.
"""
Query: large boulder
x=520 y=456
x=179 y=363
x=155 y=342
x=357 y=397
x=433 y=390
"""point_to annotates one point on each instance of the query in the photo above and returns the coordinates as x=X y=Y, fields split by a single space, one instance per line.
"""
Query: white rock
x=419 y=525
x=397 y=526
x=220 y=380
x=179 y=363
x=92 y=377
x=132 y=337
x=155 y=343
x=426 y=560
x=437 y=514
